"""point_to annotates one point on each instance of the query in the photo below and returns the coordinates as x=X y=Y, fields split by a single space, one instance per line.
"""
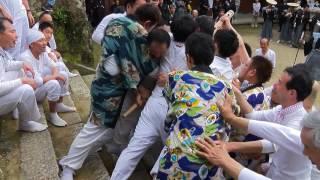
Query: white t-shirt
x=286 y=138
x=98 y=33
x=270 y=55
x=175 y=59
x=222 y=67
x=14 y=7
x=42 y=66
x=286 y=165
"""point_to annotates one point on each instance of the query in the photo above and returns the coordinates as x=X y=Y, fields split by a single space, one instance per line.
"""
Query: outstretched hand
x=214 y=151
x=225 y=107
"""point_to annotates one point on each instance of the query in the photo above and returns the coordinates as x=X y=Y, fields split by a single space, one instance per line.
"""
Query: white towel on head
x=34 y=35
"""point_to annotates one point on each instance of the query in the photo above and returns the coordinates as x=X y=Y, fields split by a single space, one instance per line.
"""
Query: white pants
x=90 y=138
x=149 y=129
x=24 y=99
x=50 y=89
x=21 y=24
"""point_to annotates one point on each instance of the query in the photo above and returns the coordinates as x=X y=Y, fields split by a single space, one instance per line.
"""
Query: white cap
x=33 y=36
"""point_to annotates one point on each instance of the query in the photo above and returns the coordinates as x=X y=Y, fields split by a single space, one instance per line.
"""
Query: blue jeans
x=51 y=2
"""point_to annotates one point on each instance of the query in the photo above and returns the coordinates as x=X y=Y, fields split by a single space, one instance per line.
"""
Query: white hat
x=273 y=2
x=33 y=36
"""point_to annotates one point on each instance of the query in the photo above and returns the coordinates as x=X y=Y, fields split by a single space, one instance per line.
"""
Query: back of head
x=301 y=81
x=199 y=46
x=312 y=121
x=159 y=35
x=205 y=24
x=2 y=26
x=44 y=13
x=263 y=68
x=148 y=12
x=226 y=41
x=45 y=25
x=182 y=27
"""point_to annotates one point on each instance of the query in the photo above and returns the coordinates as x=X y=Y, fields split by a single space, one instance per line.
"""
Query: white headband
x=33 y=36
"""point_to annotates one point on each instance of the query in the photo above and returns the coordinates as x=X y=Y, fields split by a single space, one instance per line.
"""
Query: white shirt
x=52 y=42
x=41 y=66
x=14 y=7
x=270 y=55
x=286 y=165
x=7 y=64
x=286 y=138
x=222 y=67
x=175 y=59
x=98 y=33
x=256 y=7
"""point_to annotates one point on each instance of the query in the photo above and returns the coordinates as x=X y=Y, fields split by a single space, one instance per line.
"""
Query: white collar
x=221 y=61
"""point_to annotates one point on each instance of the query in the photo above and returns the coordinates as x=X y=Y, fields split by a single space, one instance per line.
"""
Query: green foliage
x=71 y=31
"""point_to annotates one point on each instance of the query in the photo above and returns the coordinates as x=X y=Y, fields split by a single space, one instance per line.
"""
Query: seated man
x=16 y=91
x=51 y=83
x=46 y=17
x=193 y=113
x=47 y=30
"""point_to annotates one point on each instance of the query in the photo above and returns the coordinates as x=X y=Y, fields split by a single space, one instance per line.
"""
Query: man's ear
x=147 y=25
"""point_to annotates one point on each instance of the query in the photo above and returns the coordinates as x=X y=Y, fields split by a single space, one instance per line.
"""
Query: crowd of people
x=194 y=86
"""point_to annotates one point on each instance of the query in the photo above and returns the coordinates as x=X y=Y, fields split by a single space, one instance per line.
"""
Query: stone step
x=38 y=159
x=80 y=95
x=62 y=137
x=142 y=169
x=26 y=155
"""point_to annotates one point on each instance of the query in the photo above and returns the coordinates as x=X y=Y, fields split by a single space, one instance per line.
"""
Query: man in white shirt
x=46 y=17
x=303 y=143
x=294 y=85
x=16 y=91
x=226 y=44
x=150 y=127
x=51 y=83
x=265 y=51
x=21 y=15
x=130 y=5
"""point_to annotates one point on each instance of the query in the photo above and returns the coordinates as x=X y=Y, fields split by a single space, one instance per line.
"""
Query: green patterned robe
x=126 y=41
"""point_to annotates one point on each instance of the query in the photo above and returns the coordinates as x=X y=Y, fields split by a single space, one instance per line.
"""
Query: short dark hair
x=127 y=2
x=200 y=47
x=263 y=68
x=2 y=20
x=159 y=35
x=45 y=25
x=205 y=24
x=148 y=12
x=301 y=81
x=227 y=42
x=182 y=27
x=44 y=13
x=248 y=49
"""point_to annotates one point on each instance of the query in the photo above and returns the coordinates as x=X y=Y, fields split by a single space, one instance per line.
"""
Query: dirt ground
x=285 y=55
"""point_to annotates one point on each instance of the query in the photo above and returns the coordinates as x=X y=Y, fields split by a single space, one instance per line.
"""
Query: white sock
x=56 y=120
x=70 y=74
x=32 y=126
x=67 y=174
x=60 y=107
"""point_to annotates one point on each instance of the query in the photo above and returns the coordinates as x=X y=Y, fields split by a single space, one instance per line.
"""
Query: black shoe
x=47 y=7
